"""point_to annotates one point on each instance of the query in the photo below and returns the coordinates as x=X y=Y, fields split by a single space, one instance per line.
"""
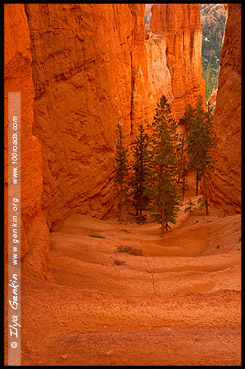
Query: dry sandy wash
x=179 y=303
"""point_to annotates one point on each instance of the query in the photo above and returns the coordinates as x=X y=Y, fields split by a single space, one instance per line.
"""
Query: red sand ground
x=179 y=303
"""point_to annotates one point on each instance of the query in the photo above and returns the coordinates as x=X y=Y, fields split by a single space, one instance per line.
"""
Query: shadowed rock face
x=179 y=26
x=225 y=188
x=18 y=78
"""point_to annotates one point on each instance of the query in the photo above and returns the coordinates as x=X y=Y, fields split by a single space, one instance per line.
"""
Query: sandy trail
x=176 y=304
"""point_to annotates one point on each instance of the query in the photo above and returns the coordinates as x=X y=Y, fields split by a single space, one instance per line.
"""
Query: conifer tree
x=121 y=168
x=189 y=207
x=200 y=144
x=194 y=139
x=184 y=186
x=140 y=173
x=164 y=190
x=185 y=122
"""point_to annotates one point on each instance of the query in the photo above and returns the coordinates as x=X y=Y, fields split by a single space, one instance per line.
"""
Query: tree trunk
x=141 y=206
x=205 y=193
x=197 y=184
x=162 y=220
x=183 y=188
x=181 y=159
x=141 y=215
x=120 y=204
x=141 y=185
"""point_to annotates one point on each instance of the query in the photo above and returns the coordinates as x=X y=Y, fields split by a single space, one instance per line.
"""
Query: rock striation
x=179 y=26
x=18 y=78
x=92 y=69
x=225 y=187
x=89 y=73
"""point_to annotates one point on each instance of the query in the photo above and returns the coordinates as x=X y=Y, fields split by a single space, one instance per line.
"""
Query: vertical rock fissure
x=132 y=95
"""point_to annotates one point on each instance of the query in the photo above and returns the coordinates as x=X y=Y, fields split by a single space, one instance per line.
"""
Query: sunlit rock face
x=158 y=72
x=18 y=78
x=179 y=26
x=207 y=12
x=225 y=188
x=212 y=100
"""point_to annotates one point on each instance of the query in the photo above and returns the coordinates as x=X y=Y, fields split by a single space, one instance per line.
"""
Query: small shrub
x=190 y=207
x=119 y=262
x=124 y=230
x=129 y=250
x=95 y=236
x=217 y=247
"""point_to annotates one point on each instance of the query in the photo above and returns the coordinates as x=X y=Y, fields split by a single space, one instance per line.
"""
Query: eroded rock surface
x=179 y=26
x=18 y=78
x=225 y=188
x=90 y=73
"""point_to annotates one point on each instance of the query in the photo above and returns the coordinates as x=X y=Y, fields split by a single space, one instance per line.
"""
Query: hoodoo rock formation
x=18 y=78
x=225 y=188
x=179 y=26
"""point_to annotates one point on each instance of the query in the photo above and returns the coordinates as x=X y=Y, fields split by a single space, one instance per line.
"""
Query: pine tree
x=207 y=161
x=200 y=144
x=194 y=140
x=164 y=190
x=184 y=186
x=140 y=173
x=189 y=207
x=121 y=168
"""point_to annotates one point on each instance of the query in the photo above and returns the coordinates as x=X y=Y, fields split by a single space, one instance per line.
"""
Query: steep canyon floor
x=179 y=303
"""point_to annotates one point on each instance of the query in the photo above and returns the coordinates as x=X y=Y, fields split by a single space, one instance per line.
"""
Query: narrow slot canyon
x=99 y=288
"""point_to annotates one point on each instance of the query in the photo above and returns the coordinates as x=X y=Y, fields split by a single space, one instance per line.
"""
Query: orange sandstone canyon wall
x=92 y=69
x=225 y=188
x=179 y=26
x=82 y=69
x=18 y=78
x=89 y=73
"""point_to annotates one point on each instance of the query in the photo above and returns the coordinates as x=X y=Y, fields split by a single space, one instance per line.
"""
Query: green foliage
x=183 y=175
x=96 y=236
x=183 y=169
x=163 y=186
x=203 y=202
x=212 y=36
x=200 y=144
x=200 y=140
x=189 y=207
x=121 y=169
x=140 y=173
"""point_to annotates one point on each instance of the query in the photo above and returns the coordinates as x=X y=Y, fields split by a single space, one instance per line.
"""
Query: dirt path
x=178 y=303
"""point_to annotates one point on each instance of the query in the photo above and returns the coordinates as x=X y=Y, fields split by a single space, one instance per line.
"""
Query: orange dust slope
x=177 y=303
